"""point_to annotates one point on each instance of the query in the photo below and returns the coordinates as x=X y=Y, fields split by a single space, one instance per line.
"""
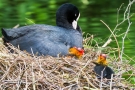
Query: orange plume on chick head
x=102 y=59
x=78 y=52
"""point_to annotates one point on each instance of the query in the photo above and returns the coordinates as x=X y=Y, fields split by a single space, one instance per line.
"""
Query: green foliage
x=129 y=76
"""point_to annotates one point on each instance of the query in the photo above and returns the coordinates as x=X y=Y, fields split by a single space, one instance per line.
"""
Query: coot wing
x=11 y=34
x=46 y=40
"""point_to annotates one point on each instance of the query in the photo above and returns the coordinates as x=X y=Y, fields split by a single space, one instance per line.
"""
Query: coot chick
x=101 y=66
x=77 y=52
x=46 y=39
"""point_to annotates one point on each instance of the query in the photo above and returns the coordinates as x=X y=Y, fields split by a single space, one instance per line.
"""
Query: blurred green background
x=13 y=12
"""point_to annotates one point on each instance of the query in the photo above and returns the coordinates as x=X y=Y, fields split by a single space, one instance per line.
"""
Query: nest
x=23 y=71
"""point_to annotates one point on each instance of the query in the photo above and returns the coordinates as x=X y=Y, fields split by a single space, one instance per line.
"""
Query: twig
x=16 y=26
x=118 y=24
x=111 y=82
x=33 y=78
x=118 y=13
x=101 y=81
x=26 y=79
x=129 y=24
x=8 y=71
x=107 y=42
x=68 y=86
x=114 y=37
x=30 y=20
x=90 y=83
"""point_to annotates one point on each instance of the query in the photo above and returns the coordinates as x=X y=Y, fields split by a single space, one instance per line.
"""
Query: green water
x=92 y=11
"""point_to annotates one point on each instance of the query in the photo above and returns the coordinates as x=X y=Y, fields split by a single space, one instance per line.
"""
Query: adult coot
x=47 y=39
x=101 y=66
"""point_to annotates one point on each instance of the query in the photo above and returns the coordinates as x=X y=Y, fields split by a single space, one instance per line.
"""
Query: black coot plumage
x=101 y=68
x=47 y=39
x=107 y=71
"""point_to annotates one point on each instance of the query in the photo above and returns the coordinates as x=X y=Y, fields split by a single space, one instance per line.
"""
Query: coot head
x=67 y=16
